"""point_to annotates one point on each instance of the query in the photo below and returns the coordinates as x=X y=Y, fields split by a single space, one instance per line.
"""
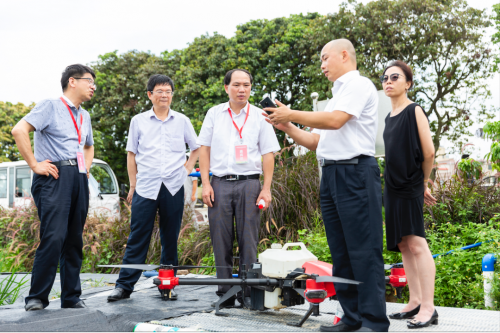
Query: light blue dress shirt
x=55 y=134
x=160 y=151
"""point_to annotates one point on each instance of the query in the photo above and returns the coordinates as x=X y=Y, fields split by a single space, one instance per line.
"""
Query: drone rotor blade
x=387 y=267
x=335 y=279
x=143 y=267
x=193 y=267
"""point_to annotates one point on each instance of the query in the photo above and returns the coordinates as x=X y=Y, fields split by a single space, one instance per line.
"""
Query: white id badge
x=241 y=153
x=81 y=161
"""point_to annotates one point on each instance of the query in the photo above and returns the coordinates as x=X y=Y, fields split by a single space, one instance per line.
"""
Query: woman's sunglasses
x=394 y=77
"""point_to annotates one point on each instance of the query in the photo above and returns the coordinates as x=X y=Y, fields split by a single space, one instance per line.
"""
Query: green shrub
x=459 y=280
x=460 y=202
x=315 y=239
x=470 y=168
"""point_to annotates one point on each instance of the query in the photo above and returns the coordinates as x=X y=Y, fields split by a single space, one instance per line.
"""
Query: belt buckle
x=232 y=177
x=71 y=162
x=322 y=162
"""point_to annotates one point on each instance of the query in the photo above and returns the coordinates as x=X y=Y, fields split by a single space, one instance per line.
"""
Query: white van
x=16 y=178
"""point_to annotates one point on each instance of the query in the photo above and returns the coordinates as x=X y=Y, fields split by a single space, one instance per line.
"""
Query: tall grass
x=10 y=288
x=295 y=192
x=104 y=240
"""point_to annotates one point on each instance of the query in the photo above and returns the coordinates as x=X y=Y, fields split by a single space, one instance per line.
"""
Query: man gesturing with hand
x=237 y=145
x=350 y=196
x=64 y=149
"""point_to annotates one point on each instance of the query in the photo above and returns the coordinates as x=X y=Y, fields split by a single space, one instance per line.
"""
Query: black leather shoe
x=364 y=329
x=405 y=315
x=339 y=327
x=418 y=324
x=34 y=304
x=79 y=305
x=118 y=294
x=173 y=295
x=226 y=304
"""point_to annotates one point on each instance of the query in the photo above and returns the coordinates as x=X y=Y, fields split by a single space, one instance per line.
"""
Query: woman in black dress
x=409 y=157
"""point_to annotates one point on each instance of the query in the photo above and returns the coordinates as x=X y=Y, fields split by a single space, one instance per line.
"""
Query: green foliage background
x=10 y=115
x=442 y=41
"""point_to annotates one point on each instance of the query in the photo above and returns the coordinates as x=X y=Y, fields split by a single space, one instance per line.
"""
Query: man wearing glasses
x=350 y=195
x=64 y=149
x=156 y=155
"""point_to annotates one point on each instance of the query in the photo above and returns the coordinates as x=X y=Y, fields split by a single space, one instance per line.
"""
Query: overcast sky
x=38 y=39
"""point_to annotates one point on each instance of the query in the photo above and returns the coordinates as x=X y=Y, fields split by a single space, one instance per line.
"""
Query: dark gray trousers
x=234 y=201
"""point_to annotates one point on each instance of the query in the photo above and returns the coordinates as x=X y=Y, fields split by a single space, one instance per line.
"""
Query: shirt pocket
x=251 y=136
x=178 y=144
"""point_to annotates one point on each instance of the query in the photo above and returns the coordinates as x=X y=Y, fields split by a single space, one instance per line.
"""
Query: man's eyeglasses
x=91 y=82
x=161 y=92
x=394 y=77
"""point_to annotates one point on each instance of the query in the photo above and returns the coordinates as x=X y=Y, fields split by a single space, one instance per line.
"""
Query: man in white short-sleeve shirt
x=350 y=193
x=237 y=146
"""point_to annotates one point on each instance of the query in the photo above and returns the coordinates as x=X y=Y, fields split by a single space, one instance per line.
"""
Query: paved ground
x=193 y=310
x=88 y=280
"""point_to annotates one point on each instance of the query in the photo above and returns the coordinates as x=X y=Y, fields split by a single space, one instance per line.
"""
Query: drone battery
x=257 y=299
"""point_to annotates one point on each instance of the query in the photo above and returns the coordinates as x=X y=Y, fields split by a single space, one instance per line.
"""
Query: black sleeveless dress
x=404 y=178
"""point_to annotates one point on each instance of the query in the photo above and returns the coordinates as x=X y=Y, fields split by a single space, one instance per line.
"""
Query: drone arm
x=230 y=282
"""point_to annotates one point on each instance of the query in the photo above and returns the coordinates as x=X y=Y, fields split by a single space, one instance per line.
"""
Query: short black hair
x=159 y=79
x=75 y=71
x=227 y=77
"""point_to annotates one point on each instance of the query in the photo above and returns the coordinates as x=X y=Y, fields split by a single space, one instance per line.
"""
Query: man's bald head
x=337 y=58
x=340 y=45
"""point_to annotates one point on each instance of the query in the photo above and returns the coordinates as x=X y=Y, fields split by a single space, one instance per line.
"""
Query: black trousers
x=170 y=208
x=351 y=204
x=234 y=202
x=62 y=205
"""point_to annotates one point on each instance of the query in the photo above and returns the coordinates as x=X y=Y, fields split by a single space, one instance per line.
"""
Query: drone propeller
x=192 y=267
x=143 y=267
x=387 y=267
x=146 y=267
x=335 y=279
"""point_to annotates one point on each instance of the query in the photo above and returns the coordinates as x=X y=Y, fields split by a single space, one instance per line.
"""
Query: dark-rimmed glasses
x=394 y=77
x=161 y=92
x=91 y=82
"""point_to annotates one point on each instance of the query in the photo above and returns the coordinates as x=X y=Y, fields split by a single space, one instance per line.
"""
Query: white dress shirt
x=356 y=95
x=219 y=133
x=160 y=151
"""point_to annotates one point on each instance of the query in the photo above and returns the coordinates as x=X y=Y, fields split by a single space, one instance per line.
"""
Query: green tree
x=492 y=129
x=10 y=115
x=199 y=74
x=442 y=40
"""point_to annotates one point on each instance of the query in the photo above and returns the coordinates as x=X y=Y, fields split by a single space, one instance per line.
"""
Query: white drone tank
x=278 y=262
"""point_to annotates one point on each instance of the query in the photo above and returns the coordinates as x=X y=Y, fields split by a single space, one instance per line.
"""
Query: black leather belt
x=238 y=177
x=64 y=163
x=323 y=162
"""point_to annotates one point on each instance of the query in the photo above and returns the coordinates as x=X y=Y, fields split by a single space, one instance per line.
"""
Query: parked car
x=16 y=178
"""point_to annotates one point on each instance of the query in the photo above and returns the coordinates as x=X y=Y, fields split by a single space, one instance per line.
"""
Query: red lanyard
x=79 y=131
x=239 y=129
